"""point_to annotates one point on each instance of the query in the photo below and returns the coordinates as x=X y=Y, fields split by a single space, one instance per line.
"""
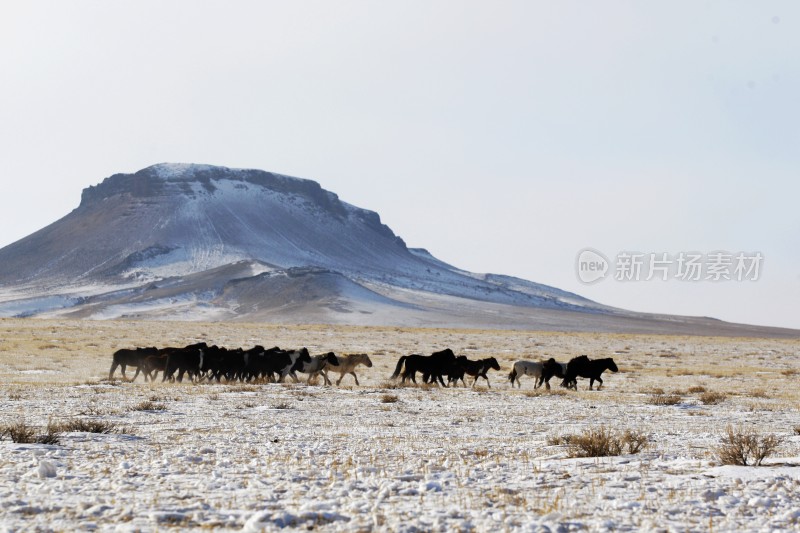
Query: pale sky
x=504 y=137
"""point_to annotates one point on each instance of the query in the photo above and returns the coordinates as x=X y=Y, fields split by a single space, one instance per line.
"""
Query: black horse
x=551 y=368
x=187 y=360
x=433 y=367
x=127 y=357
x=475 y=369
x=584 y=367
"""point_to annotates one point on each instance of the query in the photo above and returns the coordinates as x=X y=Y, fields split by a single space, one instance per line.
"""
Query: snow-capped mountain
x=199 y=242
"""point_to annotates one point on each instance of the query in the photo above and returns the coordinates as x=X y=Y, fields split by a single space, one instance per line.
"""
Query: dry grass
x=149 y=405
x=21 y=433
x=712 y=398
x=745 y=447
x=558 y=440
x=389 y=398
x=664 y=399
x=243 y=388
x=603 y=442
x=88 y=426
x=534 y=393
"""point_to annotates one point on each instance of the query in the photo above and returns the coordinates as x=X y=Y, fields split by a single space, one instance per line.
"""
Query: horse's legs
x=114 y=366
x=599 y=383
x=487 y=380
x=122 y=366
x=355 y=377
x=325 y=377
x=138 y=368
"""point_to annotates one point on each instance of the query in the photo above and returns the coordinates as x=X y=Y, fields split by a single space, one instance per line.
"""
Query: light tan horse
x=347 y=365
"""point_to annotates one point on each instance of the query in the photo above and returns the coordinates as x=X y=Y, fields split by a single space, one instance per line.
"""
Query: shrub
x=21 y=433
x=389 y=398
x=712 y=398
x=52 y=436
x=149 y=405
x=88 y=426
x=697 y=389
x=558 y=440
x=745 y=448
x=602 y=442
x=664 y=399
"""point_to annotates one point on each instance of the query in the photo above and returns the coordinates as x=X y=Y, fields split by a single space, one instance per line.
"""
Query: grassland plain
x=388 y=457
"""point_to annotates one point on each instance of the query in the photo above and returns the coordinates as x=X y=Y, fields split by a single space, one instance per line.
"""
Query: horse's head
x=612 y=365
x=331 y=358
x=304 y=356
x=367 y=360
x=494 y=364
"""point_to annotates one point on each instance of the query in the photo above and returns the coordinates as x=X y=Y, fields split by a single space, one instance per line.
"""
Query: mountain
x=200 y=242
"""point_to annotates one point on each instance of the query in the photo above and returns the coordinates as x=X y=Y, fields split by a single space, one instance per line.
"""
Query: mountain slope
x=182 y=241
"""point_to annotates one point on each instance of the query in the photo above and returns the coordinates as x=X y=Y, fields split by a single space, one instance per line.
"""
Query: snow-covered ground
x=383 y=457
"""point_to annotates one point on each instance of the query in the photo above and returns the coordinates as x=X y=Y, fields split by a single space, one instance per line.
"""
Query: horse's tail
x=513 y=375
x=399 y=366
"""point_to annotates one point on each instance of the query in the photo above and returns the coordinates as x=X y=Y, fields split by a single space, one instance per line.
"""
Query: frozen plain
x=381 y=457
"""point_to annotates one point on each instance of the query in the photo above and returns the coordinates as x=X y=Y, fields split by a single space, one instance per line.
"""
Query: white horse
x=317 y=364
x=540 y=371
x=347 y=365
x=296 y=359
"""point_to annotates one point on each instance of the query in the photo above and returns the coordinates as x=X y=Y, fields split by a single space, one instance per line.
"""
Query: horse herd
x=214 y=363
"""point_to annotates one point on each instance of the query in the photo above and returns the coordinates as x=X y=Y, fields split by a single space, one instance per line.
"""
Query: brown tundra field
x=655 y=449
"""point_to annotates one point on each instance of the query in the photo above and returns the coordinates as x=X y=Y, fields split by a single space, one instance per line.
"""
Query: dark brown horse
x=476 y=369
x=433 y=367
x=584 y=367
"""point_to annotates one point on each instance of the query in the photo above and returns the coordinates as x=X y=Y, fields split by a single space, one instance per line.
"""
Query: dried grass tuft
x=603 y=442
x=745 y=447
